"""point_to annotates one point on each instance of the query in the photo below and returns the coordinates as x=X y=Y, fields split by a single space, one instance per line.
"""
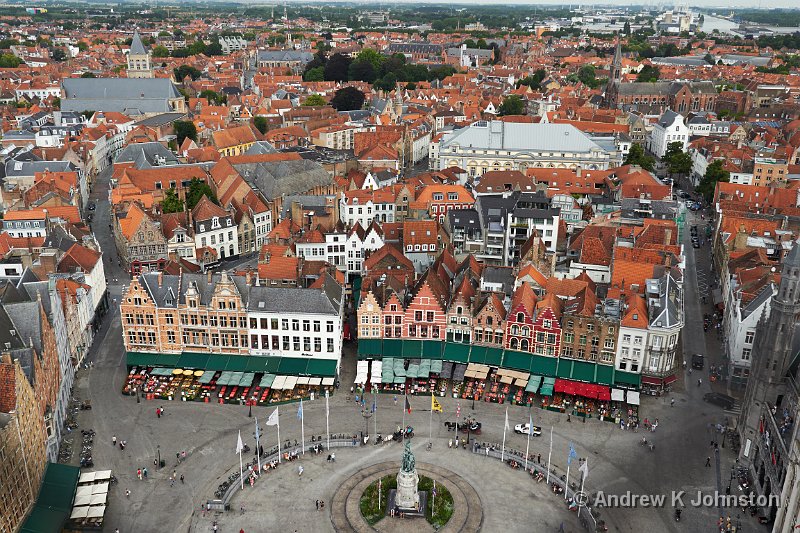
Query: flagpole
x=327 y=426
x=240 y=447
x=528 y=444
x=375 y=409
x=566 y=482
x=279 y=433
x=302 y=427
x=503 y=452
x=258 y=450
x=583 y=477
x=403 y=428
x=550 y=454
x=430 y=423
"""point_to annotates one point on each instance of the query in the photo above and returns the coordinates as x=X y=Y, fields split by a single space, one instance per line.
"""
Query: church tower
x=139 y=59
x=772 y=355
x=615 y=77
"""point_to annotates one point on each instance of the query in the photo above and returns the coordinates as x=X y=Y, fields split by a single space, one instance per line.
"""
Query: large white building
x=494 y=145
x=670 y=128
x=739 y=326
x=215 y=228
x=296 y=322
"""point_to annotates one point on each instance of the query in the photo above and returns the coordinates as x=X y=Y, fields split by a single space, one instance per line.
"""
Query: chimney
x=5 y=358
x=578 y=172
x=267 y=257
x=160 y=278
x=208 y=276
x=248 y=278
x=667 y=236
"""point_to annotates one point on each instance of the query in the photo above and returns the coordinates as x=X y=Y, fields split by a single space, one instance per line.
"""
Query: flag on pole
x=273 y=418
x=507 y=426
x=572 y=454
x=458 y=410
x=436 y=407
x=300 y=411
x=584 y=469
x=408 y=406
x=239 y=444
x=374 y=405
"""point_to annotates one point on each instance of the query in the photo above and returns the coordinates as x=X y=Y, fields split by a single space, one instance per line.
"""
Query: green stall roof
x=216 y=362
x=168 y=359
x=478 y=354
x=325 y=368
x=292 y=366
x=517 y=360
x=533 y=383
x=583 y=371
x=436 y=366
x=140 y=359
x=266 y=380
x=432 y=350
x=494 y=356
x=543 y=366
x=412 y=349
x=54 y=503
x=370 y=347
x=627 y=378
x=192 y=360
x=237 y=363
x=392 y=348
x=605 y=375
x=564 y=368
x=456 y=352
x=207 y=376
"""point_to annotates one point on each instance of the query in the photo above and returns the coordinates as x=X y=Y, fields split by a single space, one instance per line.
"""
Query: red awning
x=603 y=393
x=670 y=379
x=647 y=380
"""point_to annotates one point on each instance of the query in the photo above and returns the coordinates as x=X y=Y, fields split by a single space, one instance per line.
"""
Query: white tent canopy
x=327 y=381
x=617 y=395
x=79 y=512
x=633 y=397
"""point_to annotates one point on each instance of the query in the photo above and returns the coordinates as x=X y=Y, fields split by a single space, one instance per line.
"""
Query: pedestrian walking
x=300 y=470
x=708 y=461
x=181 y=479
x=317 y=504
x=144 y=472
x=114 y=440
x=158 y=412
x=139 y=474
x=568 y=418
x=127 y=493
x=395 y=400
x=672 y=402
x=539 y=458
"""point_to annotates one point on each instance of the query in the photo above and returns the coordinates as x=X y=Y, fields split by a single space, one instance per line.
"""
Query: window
x=590 y=327
x=274 y=323
x=418 y=316
x=626 y=338
x=296 y=344
x=582 y=340
x=548 y=323
x=295 y=325
x=429 y=316
x=609 y=343
x=746 y=354
x=330 y=346
x=637 y=340
x=306 y=344
x=285 y=324
x=318 y=344
x=329 y=327
x=748 y=337
x=569 y=338
x=306 y=325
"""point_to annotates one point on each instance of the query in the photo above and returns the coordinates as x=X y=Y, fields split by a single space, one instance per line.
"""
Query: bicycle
x=429 y=446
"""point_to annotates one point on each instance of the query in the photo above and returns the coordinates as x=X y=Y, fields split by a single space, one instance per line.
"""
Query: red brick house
x=489 y=322
x=519 y=320
x=425 y=316
x=393 y=317
x=547 y=326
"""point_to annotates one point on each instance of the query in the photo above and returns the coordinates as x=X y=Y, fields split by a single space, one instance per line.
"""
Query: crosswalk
x=736 y=409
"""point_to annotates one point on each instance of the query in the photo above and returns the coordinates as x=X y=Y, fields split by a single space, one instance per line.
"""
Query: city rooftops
x=518 y=136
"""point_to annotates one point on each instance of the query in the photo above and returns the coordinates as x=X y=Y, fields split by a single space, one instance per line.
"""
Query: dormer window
x=215 y=223
x=229 y=222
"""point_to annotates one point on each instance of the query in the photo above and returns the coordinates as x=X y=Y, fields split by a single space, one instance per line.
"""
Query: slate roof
x=137 y=46
x=285 y=55
x=497 y=135
x=146 y=155
x=131 y=96
x=278 y=178
x=292 y=300
x=667 y=313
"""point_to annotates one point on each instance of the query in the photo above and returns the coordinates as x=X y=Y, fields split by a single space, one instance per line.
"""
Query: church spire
x=616 y=64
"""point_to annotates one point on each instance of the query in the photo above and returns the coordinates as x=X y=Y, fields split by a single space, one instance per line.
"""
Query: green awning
x=54 y=504
x=478 y=354
x=399 y=380
x=168 y=359
x=217 y=362
x=387 y=377
x=547 y=386
x=432 y=350
x=517 y=360
x=627 y=379
x=207 y=376
x=604 y=375
x=543 y=365
x=140 y=359
x=256 y=363
x=494 y=357
x=266 y=381
x=564 y=368
x=582 y=371
x=456 y=352
x=393 y=348
x=436 y=366
x=412 y=349
x=533 y=383
x=324 y=368
x=192 y=360
x=237 y=363
x=292 y=366
x=368 y=348
x=399 y=368
x=247 y=379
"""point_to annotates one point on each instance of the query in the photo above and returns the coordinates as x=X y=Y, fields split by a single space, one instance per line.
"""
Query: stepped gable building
x=653 y=98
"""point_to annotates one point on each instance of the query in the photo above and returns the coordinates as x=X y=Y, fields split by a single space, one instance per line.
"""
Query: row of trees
x=383 y=72
x=197 y=189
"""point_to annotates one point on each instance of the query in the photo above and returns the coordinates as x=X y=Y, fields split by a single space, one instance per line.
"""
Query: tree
x=82 y=46
x=88 y=75
x=57 y=54
x=708 y=58
x=186 y=70
x=373 y=57
x=160 y=51
x=648 y=73
x=314 y=100
x=314 y=74
x=184 y=129
x=362 y=70
x=171 y=203
x=57 y=102
x=387 y=83
x=347 y=99
x=214 y=98
x=715 y=173
x=512 y=105
x=261 y=124
x=586 y=74
x=636 y=156
x=197 y=189
x=214 y=49
x=678 y=161
x=534 y=81
x=337 y=67
x=626 y=28
x=9 y=61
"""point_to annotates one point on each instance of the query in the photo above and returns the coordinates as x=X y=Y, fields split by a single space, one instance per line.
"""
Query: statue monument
x=407 y=495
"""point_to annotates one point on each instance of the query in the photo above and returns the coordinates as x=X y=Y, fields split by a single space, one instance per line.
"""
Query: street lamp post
x=158 y=446
x=136 y=393
x=366 y=413
x=250 y=408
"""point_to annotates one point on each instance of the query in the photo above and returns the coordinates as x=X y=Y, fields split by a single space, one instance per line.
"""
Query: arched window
x=524 y=346
x=514 y=344
x=514 y=329
x=520 y=317
x=525 y=331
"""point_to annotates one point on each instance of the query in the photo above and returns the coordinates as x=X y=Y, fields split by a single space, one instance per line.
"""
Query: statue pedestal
x=407 y=495
x=407 y=513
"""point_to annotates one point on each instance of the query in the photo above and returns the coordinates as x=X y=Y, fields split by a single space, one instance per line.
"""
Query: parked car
x=695 y=244
x=698 y=361
x=722 y=400
x=92 y=207
x=523 y=429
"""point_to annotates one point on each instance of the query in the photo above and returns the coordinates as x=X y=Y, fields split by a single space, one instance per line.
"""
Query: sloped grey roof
x=27 y=323
x=667 y=118
x=137 y=46
x=14 y=168
x=59 y=238
x=667 y=313
x=260 y=148
x=146 y=155
x=793 y=257
x=499 y=135
x=132 y=96
x=285 y=55
x=291 y=300
x=278 y=178
x=763 y=296
x=168 y=290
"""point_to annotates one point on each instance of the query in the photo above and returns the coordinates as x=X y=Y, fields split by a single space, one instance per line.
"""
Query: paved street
x=208 y=434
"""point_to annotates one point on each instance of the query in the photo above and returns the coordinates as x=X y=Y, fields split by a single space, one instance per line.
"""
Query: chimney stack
x=160 y=278
x=208 y=276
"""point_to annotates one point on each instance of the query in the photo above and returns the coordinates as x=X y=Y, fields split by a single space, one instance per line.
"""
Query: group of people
x=122 y=443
